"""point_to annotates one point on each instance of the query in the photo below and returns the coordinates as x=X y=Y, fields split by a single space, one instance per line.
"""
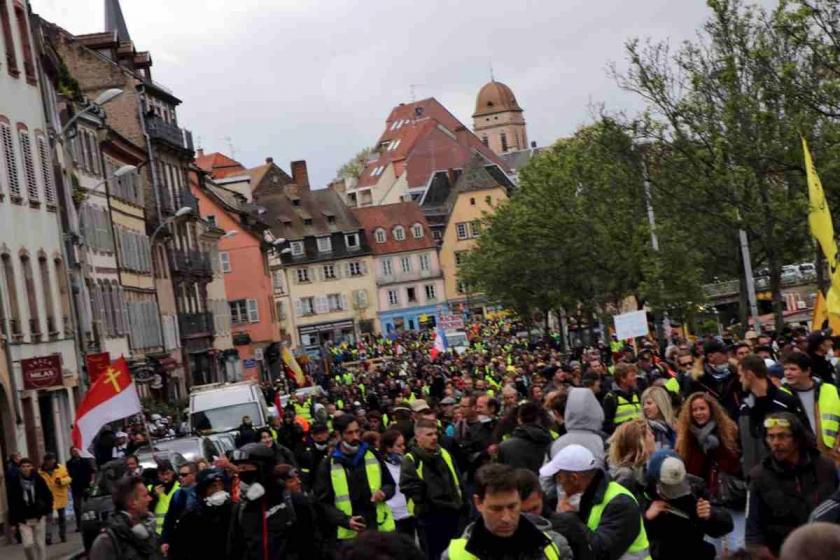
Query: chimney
x=450 y=173
x=269 y=160
x=199 y=152
x=533 y=145
x=299 y=174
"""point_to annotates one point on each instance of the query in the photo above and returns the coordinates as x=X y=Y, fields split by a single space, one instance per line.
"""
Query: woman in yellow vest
x=616 y=531
x=353 y=485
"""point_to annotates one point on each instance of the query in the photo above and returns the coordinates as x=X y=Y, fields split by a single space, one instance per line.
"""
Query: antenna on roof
x=198 y=143
x=231 y=149
x=492 y=78
x=413 y=88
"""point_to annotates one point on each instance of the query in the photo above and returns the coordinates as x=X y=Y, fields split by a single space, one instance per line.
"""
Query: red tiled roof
x=388 y=216
x=425 y=138
x=218 y=165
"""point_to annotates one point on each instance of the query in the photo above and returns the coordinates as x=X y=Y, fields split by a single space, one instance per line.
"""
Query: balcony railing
x=191 y=262
x=186 y=198
x=159 y=129
x=195 y=324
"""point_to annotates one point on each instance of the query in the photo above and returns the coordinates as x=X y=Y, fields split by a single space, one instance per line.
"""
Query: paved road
x=59 y=551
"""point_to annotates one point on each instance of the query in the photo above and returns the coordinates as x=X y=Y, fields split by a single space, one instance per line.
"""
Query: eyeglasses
x=183 y=474
x=776 y=423
x=686 y=363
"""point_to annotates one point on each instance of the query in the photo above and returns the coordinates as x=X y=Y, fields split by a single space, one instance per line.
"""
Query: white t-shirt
x=397 y=503
x=807 y=397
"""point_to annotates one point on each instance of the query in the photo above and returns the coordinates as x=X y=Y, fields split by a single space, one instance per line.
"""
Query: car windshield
x=189 y=448
x=456 y=339
x=223 y=419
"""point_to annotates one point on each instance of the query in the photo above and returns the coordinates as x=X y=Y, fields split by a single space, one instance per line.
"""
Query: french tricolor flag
x=439 y=344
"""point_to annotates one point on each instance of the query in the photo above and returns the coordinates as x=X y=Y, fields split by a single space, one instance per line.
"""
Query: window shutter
x=343 y=302
x=363 y=267
x=347 y=271
x=298 y=308
x=46 y=170
x=253 y=311
x=28 y=166
x=322 y=305
x=10 y=159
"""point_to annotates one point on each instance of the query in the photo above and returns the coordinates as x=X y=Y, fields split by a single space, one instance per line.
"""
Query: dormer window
x=352 y=241
x=297 y=248
x=307 y=221
x=295 y=202
x=399 y=233
x=380 y=235
x=417 y=231
x=330 y=219
x=324 y=245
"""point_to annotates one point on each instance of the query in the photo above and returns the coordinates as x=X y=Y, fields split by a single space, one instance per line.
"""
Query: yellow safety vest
x=828 y=402
x=162 y=505
x=640 y=549
x=447 y=458
x=458 y=550
x=303 y=410
x=384 y=517
x=627 y=410
x=673 y=385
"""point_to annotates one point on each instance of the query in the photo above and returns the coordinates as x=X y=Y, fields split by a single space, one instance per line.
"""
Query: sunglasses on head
x=776 y=423
x=184 y=473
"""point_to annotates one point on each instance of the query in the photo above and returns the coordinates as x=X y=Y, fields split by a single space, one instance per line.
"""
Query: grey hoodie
x=583 y=419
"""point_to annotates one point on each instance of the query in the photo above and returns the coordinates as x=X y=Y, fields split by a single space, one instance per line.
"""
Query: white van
x=219 y=407
x=457 y=340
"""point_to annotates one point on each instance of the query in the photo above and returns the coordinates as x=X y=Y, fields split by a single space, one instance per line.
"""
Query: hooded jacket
x=583 y=419
x=526 y=447
x=436 y=490
x=119 y=540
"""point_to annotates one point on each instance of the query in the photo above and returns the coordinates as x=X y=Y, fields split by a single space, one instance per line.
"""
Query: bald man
x=814 y=541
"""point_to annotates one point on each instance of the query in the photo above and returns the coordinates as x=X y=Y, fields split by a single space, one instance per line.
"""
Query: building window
x=405 y=264
x=211 y=219
x=393 y=297
x=488 y=200
x=425 y=262
x=485 y=141
x=335 y=302
x=379 y=235
x=462 y=287
x=307 y=221
x=295 y=202
x=329 y=272
x=330 y=219
x=11 y=289
x=31 y=298
x=277 y=281
x=355 y=268
x=437 y=234
x=387 y=268
x=411 y=295
x=462 y=230
x=475 y=228
x=63 y=294
x=324 y=245
x=297 y=248
x=399 y=233
x=431 y=293
x=10 y=161
x=352 y=241
x=11 y=59
x=46 y=284
x=472 y=201
x=224 y=259
x=28 y=166
x=23 y=29
x=460 y=257
x=46 y=170
x=302 y=275
x=503 y=138
x=417 y=231
x=307 y=306
x=244 y=311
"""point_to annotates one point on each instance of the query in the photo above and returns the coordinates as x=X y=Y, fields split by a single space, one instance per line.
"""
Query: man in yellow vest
x=502 y=530
x=610 y=513
x=353 y=485
x=819 y=400
x=431 y=482
x=622 y=404
x=162 y=492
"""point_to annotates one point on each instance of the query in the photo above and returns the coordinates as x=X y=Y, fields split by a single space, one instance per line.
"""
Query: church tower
x=498 y=119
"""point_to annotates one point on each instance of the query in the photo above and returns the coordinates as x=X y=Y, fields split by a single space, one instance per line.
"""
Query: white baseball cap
x=572 y=458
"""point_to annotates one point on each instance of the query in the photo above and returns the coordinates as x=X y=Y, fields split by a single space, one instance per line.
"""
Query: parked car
x=791 y=274
x=312 y=391
x=192 y=448
x=808 y=271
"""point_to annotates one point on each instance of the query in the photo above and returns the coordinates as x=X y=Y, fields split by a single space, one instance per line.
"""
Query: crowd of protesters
x=718 y=447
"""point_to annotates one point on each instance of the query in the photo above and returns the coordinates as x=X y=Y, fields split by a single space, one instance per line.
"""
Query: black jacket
x=526 y=447
x=751 y=417
x=357 y=483
x=620 y=523
x=309 y=458
x=782 y=497
x=20 y=509
x=673 y=536
x=726 y=391
x=283 y=455
x=436 y=491
x=822 y=368
x=81 y=471
x=247 y=434
x=267 y=521
x=201 y=533
x=828 y=511
x=610 y=406
x=526 y=543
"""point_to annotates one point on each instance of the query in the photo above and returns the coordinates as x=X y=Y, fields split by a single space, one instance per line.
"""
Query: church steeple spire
x=114 y=20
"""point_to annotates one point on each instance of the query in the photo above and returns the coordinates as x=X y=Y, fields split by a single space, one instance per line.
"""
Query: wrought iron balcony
x=169 y=133
x=195 y=263
x=195 y=324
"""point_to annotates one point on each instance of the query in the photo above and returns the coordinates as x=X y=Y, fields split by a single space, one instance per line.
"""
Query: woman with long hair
x=656 y=406
x=392 y=449
x=631 y=445
x=707 y=439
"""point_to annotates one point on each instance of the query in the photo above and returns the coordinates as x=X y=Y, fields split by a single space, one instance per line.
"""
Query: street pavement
x=56 y=551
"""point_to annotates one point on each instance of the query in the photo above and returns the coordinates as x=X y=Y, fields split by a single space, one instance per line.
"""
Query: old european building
x=498 y=119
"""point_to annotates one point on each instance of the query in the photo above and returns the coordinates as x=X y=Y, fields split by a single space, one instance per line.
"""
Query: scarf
x=28 y=486
x=705 y=436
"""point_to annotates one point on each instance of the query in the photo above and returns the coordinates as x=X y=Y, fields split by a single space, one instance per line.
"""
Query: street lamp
x=183 y=211
x=229 y=234
x=103 y=98
x=122 y=171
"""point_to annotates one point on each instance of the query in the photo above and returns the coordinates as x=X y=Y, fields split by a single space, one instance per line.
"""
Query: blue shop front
x=411 y=319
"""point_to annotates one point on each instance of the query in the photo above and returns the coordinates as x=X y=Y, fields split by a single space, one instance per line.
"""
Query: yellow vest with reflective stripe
x=627 y=410
x=447 y=458
x=304 y=410
x=384 y=517
x=162 y=505
x=640 y=549
x=829 y=405
x=673 y=385
x=458 y=550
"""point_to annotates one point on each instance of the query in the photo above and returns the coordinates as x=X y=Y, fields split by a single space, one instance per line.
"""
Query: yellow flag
x=820 y=312
x=292 y=365
x=819 y=218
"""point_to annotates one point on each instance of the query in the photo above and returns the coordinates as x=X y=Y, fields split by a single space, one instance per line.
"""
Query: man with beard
x=130 y=531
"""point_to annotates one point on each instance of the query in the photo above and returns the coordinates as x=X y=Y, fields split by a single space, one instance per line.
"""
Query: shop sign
x=249 y=363
x=40 y=373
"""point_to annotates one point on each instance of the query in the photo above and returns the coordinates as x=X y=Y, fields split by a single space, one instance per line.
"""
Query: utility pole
x=660 y=318
x=745 y=254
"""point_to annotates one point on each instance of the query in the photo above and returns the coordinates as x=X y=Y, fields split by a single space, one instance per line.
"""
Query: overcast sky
x=315 y=80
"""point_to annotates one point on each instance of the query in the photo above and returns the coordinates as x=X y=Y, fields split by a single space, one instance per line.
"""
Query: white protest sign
x=631 y=325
